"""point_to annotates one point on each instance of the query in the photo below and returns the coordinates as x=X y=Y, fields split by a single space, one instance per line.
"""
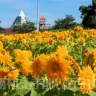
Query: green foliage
x=51 y=93
x=94 y=3
x=25 y=27
x=88 y=14
x=1 y=28
x=65 y=23
x=24 y=88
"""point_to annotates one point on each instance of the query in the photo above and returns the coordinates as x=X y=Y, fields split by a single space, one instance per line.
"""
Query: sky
x=51 y=9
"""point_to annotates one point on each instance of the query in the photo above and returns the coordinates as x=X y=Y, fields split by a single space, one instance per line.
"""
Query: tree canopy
x=88 y=15
x=1 y=28
x=25 y=27
x=64 y=23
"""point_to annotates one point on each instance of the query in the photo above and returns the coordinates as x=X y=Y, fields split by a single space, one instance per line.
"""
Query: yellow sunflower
x=58 y=68
x=38 y=66
x=3 y=72
x=5 y=59
x=81 y=39
x=13 y=74
x=86 y=80
x=25 y=67
x=22 y=55
x=90 y=58
x=62 y=50
x=72 y=44
x=1 y=46
x=85 y=35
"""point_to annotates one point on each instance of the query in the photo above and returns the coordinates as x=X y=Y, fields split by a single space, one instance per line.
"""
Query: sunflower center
x=90 y=60
x=56 y=67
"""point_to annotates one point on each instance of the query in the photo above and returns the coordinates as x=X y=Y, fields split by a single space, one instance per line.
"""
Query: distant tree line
x=25 y=27
x=65 y=23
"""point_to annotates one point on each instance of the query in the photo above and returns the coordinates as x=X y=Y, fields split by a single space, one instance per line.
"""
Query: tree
x=94 y=3
x=25 y=27
x=1 y=28
x=65 y=23
x=89 y=15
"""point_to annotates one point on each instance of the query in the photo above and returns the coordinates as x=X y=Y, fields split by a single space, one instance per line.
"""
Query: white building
x=20 y=19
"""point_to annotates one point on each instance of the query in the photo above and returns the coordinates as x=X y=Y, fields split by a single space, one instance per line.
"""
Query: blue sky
x=51 y=9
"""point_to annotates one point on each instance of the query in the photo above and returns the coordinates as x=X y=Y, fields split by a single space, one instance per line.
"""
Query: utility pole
x=38 y=15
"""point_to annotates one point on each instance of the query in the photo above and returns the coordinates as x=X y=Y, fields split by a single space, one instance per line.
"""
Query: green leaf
x=92 y=93
x=67 y=93
x=51 y=93
x=40 y=88
x=78 y=93
x=23 y=87
x=33 y=93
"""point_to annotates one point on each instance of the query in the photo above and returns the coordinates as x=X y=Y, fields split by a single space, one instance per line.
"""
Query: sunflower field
x=48 y=63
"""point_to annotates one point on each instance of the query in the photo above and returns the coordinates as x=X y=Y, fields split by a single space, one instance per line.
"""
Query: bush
x=25 y=27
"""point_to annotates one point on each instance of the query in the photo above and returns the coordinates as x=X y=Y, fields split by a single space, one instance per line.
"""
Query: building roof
x=20 y=19
x=43 y=18
x=21 y=14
